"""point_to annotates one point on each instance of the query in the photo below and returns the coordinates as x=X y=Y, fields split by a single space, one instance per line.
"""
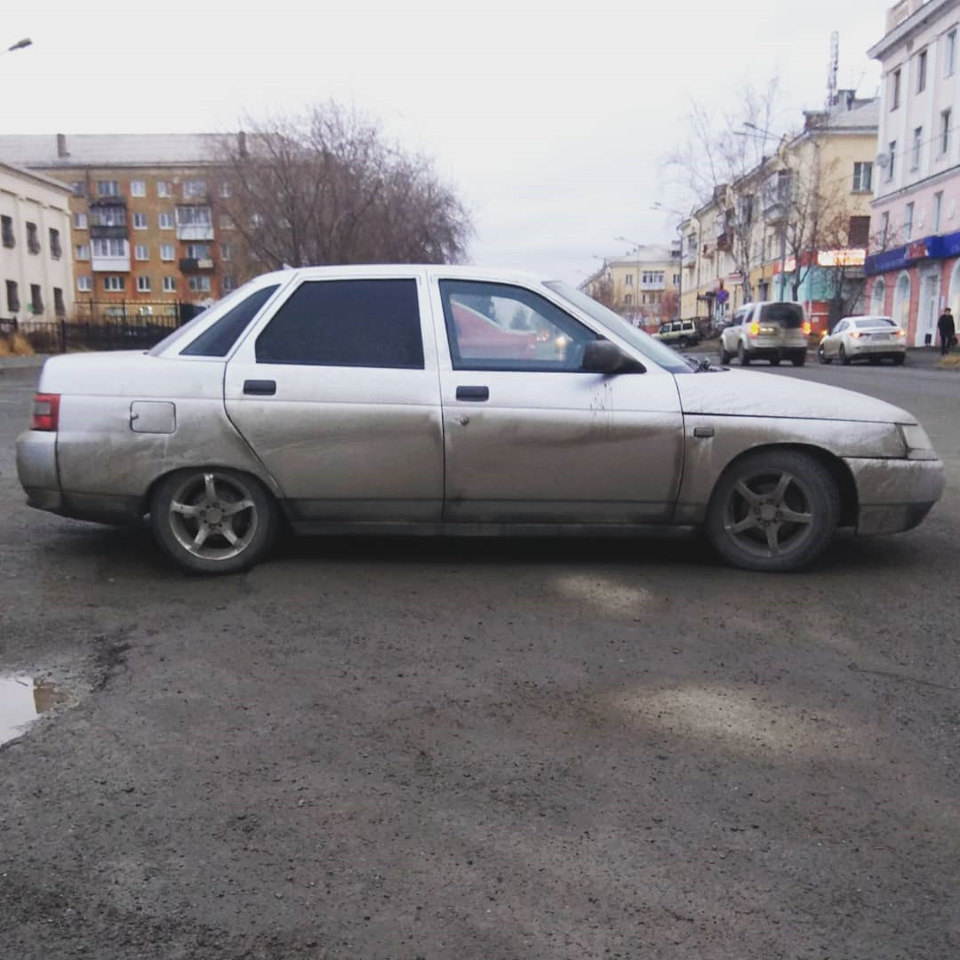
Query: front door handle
x=260 y=388
x=473 y=393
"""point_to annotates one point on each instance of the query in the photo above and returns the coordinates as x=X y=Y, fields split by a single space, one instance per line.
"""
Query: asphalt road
x=484 y=750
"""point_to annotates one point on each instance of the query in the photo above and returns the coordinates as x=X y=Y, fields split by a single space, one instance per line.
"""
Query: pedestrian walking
x=947 y=329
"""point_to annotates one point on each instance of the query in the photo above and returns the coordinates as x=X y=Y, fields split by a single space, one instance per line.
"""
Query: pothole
x=22 y=700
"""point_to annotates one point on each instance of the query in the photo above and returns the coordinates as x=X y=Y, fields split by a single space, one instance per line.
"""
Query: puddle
x=22 y=700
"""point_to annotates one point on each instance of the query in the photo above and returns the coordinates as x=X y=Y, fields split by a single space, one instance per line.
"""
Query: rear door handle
x=473 y=393
x=260 y=388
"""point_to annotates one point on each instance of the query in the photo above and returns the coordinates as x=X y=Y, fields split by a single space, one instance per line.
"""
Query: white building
x=36 y=272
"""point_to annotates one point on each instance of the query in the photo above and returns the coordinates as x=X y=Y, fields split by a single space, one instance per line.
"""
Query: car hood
x=737 y=393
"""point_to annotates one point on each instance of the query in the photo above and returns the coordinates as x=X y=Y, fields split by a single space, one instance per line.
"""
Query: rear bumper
x=895 y=495
x=880 y=349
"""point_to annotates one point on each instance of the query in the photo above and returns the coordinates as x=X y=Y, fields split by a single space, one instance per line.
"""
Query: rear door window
x=347 y=323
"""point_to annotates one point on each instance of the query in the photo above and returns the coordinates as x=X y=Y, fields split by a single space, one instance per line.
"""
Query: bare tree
x=729 y=149
x=329 y=188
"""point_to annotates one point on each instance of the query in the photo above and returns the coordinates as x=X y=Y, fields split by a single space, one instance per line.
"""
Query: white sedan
x=872 y=338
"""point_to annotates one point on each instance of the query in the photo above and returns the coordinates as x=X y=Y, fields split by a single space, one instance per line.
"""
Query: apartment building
x=146 y=229
x=36 y=275
x=913 y=268
x=641 y=285
x=796 y=226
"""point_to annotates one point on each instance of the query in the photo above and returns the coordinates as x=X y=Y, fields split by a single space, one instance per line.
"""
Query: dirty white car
x=450 y=400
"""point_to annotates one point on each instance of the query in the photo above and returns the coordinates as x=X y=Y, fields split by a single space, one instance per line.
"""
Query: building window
x=225 y=190
x=891 y=159
x=165 y=221
x=79 y=188
x=194 y=217
x=79 y=221
x=226 y=251
x=908 y=223
x=169 y=284
x=199 y=284
x=83 y=284
x=56 y=251
x=950 y=53
x=226 y=221
x=139 y=221
x=6 y=228
x=229 y=282
x=884 y=228
x=628 y=300
x=141 y=251
x=113 y=284
x=138 y=188
x=198 y=251
x=109 y=248
x=937 y=211
x=166 y=251
x=82 y=251
x=33 y=238
x=36 y=298
x=108 y=188
x=862 y=177
x=676 y=279
x=917 y=143
x=895 y=89
x=858 y=233
x=921 y=71
x=945 y=132
x=652 y=276
x=194 y=188
x=108 y=217
x=163 y=188
x=59 y=307
x=143 y=284
x=13 y=297
x=628 y=280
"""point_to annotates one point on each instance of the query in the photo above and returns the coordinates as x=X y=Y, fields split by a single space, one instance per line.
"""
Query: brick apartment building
x=146 y=233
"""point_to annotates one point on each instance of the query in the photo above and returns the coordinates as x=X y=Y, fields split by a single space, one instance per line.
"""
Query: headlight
x=917 y=442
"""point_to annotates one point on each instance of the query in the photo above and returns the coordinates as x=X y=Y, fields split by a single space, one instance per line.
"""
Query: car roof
x=402 y=269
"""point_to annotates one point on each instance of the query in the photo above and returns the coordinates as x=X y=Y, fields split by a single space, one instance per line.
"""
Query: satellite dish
x=883 y=161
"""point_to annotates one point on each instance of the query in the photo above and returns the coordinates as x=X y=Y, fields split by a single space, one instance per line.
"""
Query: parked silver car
x=870 y=338
x=766 y=330
x=452 y=400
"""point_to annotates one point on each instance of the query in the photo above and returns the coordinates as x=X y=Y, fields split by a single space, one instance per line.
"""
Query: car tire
x=898 y=360
x=799 y=360
x=684 y=342
x=724 y=356
x=822 y=355
x=874 y=361
x=746 y=517
x=844 y=359
x=743 y=356
x=774 y=361
x=238 y=516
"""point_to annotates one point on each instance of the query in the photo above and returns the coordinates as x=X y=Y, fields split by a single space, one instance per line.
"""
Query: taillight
x=900 y=333
x=754 y=329
x=46 y=412
x=806 y=328
x=856 y=334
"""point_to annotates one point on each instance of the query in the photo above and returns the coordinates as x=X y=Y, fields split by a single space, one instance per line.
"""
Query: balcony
x=193 y=265
x=99 y=202
x=195 y=231
x=110 y=264
x=98 y=232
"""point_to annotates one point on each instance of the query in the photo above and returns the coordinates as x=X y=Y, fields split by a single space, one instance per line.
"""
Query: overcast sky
x=551 y=120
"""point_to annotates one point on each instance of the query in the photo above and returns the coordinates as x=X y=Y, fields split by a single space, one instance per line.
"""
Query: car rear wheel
x=898 y=360
x=844 y=359
x=773 y=511
x=774 y=361
x=743 y=356
x=799 y=360
x=213 y=520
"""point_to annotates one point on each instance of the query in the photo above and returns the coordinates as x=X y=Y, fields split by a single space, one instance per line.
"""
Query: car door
x=336 y=391
x=529 y=436
x=730 y=334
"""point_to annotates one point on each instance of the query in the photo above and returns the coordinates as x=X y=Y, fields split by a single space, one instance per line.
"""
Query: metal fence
x=103 y=326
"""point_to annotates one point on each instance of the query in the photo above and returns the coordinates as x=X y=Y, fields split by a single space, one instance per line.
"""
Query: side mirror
x=602 y=356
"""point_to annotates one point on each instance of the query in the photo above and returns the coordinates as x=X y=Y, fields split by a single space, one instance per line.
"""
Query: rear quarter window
x=220 y=336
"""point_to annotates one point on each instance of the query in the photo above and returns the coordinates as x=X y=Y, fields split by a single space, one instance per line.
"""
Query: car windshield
x=663 y=356
x=787 y=315
x=874 y=322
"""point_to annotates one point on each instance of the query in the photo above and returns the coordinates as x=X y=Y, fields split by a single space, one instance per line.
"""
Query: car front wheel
x=773 y=511
x=213 y=520
x=822 y=355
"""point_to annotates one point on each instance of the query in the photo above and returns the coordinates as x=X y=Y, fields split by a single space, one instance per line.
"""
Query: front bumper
x=895 y=495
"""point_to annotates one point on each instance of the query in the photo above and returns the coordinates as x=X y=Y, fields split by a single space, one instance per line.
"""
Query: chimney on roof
x=62 y=151
x=242 y=143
